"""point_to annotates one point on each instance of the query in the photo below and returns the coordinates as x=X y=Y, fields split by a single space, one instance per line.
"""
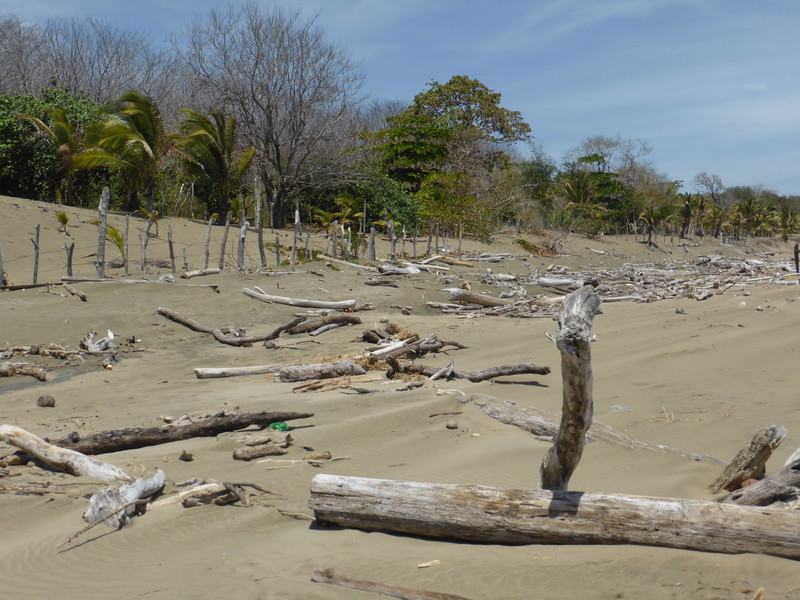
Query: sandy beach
x=702 y=380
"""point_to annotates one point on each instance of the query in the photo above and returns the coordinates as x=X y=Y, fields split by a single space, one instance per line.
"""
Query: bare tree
x=19 y=56
x=710 y=185
x=289 y=88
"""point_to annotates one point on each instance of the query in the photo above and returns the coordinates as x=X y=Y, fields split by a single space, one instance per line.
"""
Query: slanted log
x=313 y=324
x=462 y=295
x=217 y=372
x=573 y=341
x=336 y=368
x=750 y=462
x=475 y=513
x=66 y=460
x=260 y=294
x=125 y=439
x=115 y=506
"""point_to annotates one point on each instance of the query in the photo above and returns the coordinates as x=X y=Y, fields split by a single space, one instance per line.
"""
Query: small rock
x=45 y=401
x=451 y=425
x=326 y=455
x=760 y=308
x=186 y=456
x=7 y=370
x=680 y=311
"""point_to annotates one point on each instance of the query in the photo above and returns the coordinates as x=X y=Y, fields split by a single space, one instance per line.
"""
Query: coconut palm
x=208 y=147
x=131 y=140
x=66 y=139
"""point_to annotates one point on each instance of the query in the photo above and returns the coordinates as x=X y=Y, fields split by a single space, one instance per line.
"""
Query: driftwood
x=778 y=487
x=311 y=325
x=750 y=462
x=200 y=273
x=30 y=370
x=462 y=295
x=75 y=292
x=332 y=577
x=421 y=347
x=208 y=426
x=573 y=341
x=213 y=373
x=335 y=383
x=68 y=461
x=219 y=334
x=259 y=451
x=336 y=368
x=346 y=263
x=389 y=269
x=260 y=294
x=474 y=376
x=381 y=282
x=108 y=506
x=488 y=515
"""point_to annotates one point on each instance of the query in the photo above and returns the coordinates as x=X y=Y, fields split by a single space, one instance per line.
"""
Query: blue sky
x=713 y=85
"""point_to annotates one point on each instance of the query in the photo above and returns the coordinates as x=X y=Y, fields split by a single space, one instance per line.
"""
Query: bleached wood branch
x=260 y=294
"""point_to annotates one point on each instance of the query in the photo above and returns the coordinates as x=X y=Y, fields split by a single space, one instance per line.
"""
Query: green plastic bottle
x=279 y=426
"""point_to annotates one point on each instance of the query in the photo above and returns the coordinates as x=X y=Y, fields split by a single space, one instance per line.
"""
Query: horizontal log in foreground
x=475 y=513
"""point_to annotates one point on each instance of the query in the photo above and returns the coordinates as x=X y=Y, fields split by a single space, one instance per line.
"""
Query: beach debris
x=260 y=294
x=231 y=336
x=334 y=578
x=217 y=372
x=335 y=383
x=7 y=369
x=200 y=273
x=750 y=462
x=206 y=425
x=411 y=368
x=326 y=370
x=75 y=292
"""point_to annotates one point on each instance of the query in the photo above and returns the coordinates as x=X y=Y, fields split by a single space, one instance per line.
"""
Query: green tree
x=208 y=147
x=130 y=140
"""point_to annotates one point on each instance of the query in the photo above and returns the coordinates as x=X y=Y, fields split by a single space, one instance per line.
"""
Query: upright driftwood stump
x=573 y=341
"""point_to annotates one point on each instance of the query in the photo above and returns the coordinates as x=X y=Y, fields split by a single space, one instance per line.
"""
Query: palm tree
x=208 y=146
x=66 y=140
x=132 y=141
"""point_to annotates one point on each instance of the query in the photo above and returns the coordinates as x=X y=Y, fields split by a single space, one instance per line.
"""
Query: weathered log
x=389 y=269
x=346 y=263
x=381 y=282
x=779 y=486
x=259 y=451
x=260 y=294
x=474 y=376
x=31 y=371
x=216 y=332
x=462 y=295
x=475 y=513
x=199 y=273
x=334 y=578
x=313 y=324
x=75 y=292
x=750 y=462
x=336 y=368
x=562 y=283
x=115 y=506
x=125 y=439
x=573 y=341
x=217 y=372
x=69 y=461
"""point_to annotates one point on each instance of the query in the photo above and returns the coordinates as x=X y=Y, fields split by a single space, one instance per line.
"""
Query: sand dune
x=702 y=382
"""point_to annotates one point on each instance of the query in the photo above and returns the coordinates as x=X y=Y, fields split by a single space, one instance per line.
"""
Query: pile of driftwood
x=735 y=523
x=116 y=505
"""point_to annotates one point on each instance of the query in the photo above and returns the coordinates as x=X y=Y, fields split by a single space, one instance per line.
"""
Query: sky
x=711 y=85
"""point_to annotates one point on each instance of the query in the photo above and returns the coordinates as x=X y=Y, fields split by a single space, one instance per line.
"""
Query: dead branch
x=336 y=368
x=462 y=295
x=209 y=426
x=474 y=376
x=778 y=487
x=334 y=578
x=199 y=273
x=310 y=325
x=217 y=333
x=214 y=372
x=260 y=294
x=75 y=292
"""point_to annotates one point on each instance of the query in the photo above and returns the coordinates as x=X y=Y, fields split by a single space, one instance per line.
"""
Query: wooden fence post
x=391 y=240
x=171 y=248
x=278 y=249
x=35 y=241
x=372 y=242
x=69 y=249
x=573 y=341
x=101 y=233
x=3 y=278
x=242 y=235
x=127 y=245
x=224 y=241
x=259 y=223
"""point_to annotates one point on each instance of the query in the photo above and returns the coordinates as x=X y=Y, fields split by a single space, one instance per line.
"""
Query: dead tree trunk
x=750 y=462
x=476 y=513
x=116 y=440
x=573 y=341
x=35 y=241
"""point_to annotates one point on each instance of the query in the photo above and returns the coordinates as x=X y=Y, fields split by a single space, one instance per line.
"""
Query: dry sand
x=702 y=382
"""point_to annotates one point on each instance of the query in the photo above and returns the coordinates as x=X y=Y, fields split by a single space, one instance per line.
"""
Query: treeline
x=252 y=103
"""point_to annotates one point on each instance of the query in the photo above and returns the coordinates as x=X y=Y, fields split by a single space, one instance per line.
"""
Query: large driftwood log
x=750 y=462
x=68 y=461
x=336 y=368
x=462 y=295
x=310 y=325
x=260 y=294
x=216 y=332
x=216 y=372
x=209 y=426
x=474 y=376
x=332 y=577
x=199 y=272
x=573 y=341
x=483 y=514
